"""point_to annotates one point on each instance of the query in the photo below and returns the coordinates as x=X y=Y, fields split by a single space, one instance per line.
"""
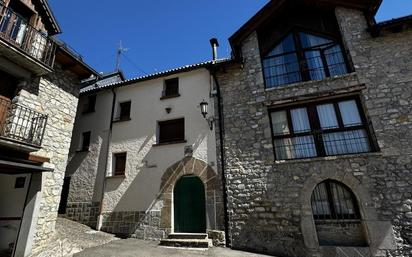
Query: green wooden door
x=189 y=205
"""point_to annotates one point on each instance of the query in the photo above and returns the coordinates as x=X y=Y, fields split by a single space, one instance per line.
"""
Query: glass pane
x=286 y=46
x=350 y=113
x=300 y=120
x=295 y=148
x=342 y=200
x=315 y=65
x=335 y=61
x=280 y=123
x=281 y=70
x=320 y=203
x=346 y=142
x=308 y=40
x=327 y=116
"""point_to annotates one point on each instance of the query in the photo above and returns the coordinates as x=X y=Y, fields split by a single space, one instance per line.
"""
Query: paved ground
x=72 y=237
x=140 y=248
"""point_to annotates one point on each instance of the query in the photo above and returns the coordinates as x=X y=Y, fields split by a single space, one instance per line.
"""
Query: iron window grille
x=301 y=56
x=332 y=200
x=327 y=128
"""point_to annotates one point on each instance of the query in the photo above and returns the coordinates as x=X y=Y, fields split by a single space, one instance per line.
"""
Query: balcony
x=23 y=44
x=21 y=128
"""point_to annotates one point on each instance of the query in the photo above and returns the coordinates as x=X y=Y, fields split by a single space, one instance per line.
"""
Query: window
x=90 y=105
x=332 y=127
x=171 y=131
x=337 y=216
x=120 y=164
x=124 y=111
x=171 y=88
x=303 y=57
x=85 y=141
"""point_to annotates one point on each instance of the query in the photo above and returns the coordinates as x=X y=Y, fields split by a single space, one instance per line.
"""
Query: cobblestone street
x=140 y=248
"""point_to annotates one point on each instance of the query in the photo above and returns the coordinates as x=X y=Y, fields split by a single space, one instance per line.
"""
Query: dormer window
x=302 y=57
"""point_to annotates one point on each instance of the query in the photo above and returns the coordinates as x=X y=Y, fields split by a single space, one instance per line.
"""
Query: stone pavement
x=70 y=238
x=140 y=248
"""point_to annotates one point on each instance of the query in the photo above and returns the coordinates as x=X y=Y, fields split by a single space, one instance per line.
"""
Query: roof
x=73 y=61
x=274 y=6
x=156 y=75
x=54 y=26
x=106 y=79
x=395 y=22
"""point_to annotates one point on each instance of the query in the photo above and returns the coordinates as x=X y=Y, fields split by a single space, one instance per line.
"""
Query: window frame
x=300 y=54
x=315 y=127
x=117 y=173
x=87 y=108
x=83 y=147
x=165 y=94
x=120 y=110
x=171 y=141
x=332 y=203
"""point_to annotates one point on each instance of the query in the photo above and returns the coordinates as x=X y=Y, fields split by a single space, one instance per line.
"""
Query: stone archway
x=379 y=233
x=212 y=185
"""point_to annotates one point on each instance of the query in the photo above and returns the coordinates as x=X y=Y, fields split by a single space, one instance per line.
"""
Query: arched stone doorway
x=189 y=205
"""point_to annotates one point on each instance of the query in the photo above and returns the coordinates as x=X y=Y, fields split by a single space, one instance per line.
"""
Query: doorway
x=189 y=205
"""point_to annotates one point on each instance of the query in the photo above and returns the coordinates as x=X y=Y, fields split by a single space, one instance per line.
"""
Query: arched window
x=337 y=217
x=302 y=56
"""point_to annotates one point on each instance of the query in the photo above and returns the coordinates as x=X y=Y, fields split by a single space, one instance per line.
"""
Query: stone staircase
x=187 y=240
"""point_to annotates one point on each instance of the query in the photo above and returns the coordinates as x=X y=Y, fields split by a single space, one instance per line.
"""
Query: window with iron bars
x=302 y=56
x=327 y=128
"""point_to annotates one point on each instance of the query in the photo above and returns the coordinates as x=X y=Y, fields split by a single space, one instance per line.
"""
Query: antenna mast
x=119 y=53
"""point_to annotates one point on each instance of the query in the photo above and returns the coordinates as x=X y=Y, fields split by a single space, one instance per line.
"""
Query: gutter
x=109 y=139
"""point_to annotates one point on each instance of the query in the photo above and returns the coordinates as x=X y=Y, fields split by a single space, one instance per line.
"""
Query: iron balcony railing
x=21 y=124
x=16 y=31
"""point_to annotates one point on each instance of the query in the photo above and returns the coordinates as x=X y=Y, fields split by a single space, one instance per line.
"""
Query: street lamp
x=203 y=109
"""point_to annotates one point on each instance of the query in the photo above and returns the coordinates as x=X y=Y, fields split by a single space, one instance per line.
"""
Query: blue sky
x=161 y=34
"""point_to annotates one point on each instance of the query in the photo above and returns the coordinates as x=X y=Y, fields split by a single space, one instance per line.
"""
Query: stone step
x=187 y=243
x=187 y=236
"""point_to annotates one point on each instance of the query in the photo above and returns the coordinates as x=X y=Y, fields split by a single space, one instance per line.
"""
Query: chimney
x=215 y=44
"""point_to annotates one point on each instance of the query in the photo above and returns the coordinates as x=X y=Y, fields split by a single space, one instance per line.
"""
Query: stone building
x=317 y=115
x=39 y=87
x=143 y=158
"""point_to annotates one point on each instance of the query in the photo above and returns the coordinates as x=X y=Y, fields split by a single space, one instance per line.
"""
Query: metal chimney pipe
x=215 y=44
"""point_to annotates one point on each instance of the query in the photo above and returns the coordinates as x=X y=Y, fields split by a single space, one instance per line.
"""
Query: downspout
x=222 y=158
x=109 y=138
x=214 y=43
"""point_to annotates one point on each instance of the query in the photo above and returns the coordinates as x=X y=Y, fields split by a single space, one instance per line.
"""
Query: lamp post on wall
x=204 y=110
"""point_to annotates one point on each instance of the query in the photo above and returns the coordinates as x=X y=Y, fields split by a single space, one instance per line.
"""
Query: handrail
x=16 y=31
x=21 y=124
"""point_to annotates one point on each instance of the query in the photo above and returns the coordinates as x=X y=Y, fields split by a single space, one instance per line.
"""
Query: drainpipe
x=109 y=138
x=215 y=44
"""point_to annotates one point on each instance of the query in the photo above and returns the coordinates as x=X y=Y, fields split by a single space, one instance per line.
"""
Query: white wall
x=138 y=189
x=11 y=206
x=83 y=167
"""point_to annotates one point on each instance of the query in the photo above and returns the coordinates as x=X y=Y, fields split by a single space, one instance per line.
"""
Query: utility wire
x=134 y=64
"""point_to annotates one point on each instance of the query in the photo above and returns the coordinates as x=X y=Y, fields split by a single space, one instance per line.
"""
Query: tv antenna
x=119 y=53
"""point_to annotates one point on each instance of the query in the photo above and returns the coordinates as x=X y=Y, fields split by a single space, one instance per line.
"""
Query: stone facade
x=55 y=95
x=269 y=201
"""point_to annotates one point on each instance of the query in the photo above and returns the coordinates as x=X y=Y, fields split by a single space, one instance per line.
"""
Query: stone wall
x=269 y=202
x=55 y=95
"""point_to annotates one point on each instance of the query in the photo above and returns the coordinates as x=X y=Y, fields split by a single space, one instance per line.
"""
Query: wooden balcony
x=21 y=128
x=23 y=44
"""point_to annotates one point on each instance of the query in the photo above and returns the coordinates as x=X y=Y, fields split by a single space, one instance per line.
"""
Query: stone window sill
x=169 y=97
x=83 y=150
x=283 y=87
x=330 y=158
x=170 y=143
x=122 y=120
x=116 y=176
